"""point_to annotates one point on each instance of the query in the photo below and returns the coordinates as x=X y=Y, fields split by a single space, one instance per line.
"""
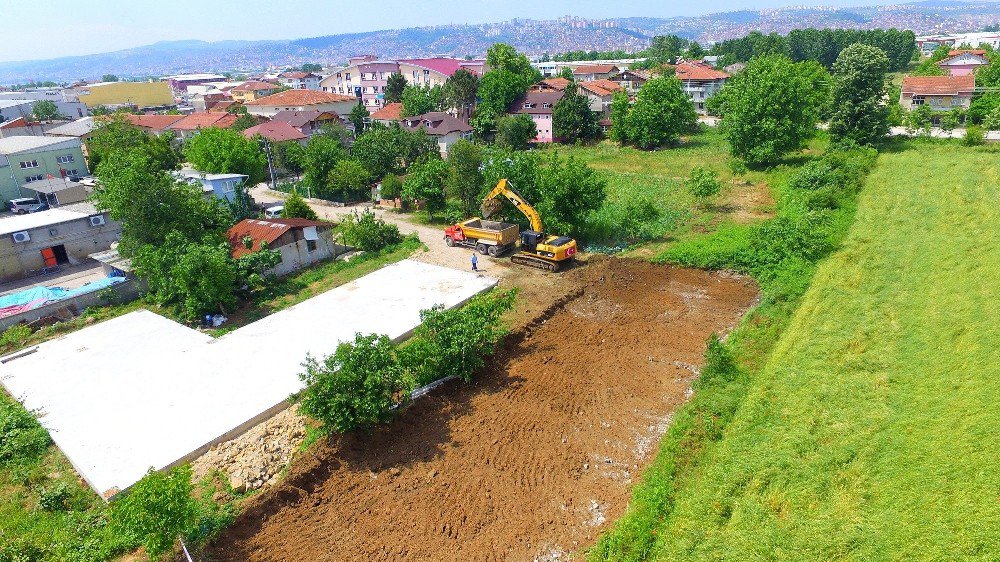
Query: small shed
x=59 y=191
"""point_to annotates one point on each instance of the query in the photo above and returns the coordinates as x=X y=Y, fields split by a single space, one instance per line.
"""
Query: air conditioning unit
x=97 y=220
x=21 y=236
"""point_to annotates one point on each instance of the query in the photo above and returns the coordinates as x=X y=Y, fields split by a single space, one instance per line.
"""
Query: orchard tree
x=515 y=131
x=391 y=188
x=768 y=110
x=465 y=180
x=567 y=73
x=661 y=113
x=359 y=117
x=289 y=156
x=156 y=510
x=350 y=179
x=859 y=110
x=45 y=110
x=572 y=119
x=357 y=387
x=321 y=156
x=394 y=87
x=296 y=207
x=225 y=151
x=426 y=182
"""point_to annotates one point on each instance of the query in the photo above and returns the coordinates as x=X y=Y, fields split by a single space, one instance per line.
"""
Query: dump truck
x=535 y=248
x=486 y=237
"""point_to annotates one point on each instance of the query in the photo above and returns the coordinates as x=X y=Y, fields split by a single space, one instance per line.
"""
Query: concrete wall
x=18 y=260
x=296 y=255
x=126 y=292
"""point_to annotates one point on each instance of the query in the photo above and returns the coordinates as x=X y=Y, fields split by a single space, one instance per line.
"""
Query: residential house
x=631 y=80
x=301 y=100
x=550 y=85
x=67 y=103
x=276 y=131
x=180 y=82
x=539 y=106
x=154 y=124
x=600 y=93
x=435 y=71
x=445 y=128
x=311 y=121
x=31 y=242
x=700 y=82
x=964 y=62
x=300 y=242
x=208 y=102
x=391 y=113
x=189 y=125
x=222 y=186
x=141 y=95
x=252 y=90
x=365 y=77
x=937 y=92
x=298 y=80
x=27 y=159
x=588 y=72
x=58 y=191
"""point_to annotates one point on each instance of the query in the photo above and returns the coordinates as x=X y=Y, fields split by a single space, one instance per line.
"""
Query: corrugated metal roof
x=17 y=223
x=77 y=128
x=17 y=144
x=261 y=232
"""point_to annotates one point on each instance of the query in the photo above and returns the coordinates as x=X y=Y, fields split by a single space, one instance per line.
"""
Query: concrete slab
x=142 y=391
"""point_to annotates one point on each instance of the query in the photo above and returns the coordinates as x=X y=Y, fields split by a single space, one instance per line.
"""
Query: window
x=29 y=164
x=74 y=172
x=348 y=76
x=29 y=179
x=311 y=245
x=228 y=186
x=64 y=159
x=918 y=100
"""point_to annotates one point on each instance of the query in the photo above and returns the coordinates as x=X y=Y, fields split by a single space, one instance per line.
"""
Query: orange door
x=49 y=255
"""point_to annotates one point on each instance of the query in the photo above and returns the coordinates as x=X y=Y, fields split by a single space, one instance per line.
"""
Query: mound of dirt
x=533 y=459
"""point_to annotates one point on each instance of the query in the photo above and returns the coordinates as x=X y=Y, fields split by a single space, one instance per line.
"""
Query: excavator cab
x=530 y=240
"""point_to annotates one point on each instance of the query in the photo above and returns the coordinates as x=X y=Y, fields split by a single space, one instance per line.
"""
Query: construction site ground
x=532 y=459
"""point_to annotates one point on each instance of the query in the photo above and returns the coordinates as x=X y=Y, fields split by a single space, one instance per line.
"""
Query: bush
x=392 y=187
x=16 y=335
x=296 y=207
x=455 y=342
x=157 y=510
x=703 y=184
x=22 y=438
x=974 y=136
x=357 y=387
x=54 y=498
x=367 y=232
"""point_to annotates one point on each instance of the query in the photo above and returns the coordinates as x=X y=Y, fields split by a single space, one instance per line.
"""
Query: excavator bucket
x=490 y=207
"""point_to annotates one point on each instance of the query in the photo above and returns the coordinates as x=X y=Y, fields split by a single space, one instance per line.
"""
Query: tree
x=465 y=180
x=859 y=110
x=988 y=76
x=295 y=207
x=919 y=119
x=394 y=87
x=502 y=56
x=974 y=136
x=117 y=134
x=569 y=191
x=992 y=120
x=321 y=156
x=198 y=275
x=392 y=187
x=661 y=113
x=350 y=179
x=156 y=510
x=664 y=49
x=357 y=387
x=768 y=110
x=928 y=67
x=426 y=182
x=509 y=76
x=515 y=131
x=311 y=67
x=418 y=100
x=225 y=151
x=383 y=150
x=572 y=118
x=289 y=156
x=620 y=105
x=703 y=184
x=244 y=122
x=567 y=73
x=359 y=117
x=109 y=78
x=695 y=51
x=461 y=90
x=369 y=233
x=45 y=110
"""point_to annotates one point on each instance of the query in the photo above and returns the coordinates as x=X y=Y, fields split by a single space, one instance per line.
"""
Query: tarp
x=36 y=297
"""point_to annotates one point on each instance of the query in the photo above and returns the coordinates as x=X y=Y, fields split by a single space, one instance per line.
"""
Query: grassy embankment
x=46 y=512
x=858 y=419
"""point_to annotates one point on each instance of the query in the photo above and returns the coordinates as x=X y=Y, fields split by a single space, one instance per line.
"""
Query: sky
x=42 y=29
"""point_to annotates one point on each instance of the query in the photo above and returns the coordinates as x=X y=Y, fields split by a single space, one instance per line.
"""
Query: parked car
x=273 y=212
x=26 y=205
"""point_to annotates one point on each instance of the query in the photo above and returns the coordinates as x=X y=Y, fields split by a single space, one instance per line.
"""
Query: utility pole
x=270 y=164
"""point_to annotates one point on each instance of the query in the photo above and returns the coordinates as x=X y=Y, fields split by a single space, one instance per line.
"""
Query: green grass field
x=871 y=431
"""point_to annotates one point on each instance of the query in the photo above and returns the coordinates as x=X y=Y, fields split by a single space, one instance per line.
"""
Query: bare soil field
x=531 y=460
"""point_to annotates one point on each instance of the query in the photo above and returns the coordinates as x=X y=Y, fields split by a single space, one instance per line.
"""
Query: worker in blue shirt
x=475 y=261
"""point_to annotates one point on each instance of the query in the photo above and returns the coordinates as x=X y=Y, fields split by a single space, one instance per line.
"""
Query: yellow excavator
x=537 y=249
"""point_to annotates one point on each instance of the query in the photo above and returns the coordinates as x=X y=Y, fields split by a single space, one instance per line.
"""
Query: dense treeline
x=821 y=45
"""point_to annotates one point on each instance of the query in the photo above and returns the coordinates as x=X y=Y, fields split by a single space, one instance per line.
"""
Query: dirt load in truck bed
x=530 y=461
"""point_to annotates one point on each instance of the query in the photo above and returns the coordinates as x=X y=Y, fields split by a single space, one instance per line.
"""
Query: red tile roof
x=698 y=71
x=204 y=120
x=391 y=112
x=261 y=231
x=553 y=83
x=154 y=122
x=276 y=131
x=14 y=123
x=595 y=69
x=299 y=119
x=255 y=85
x=602 y=87
x=980 y=52
x=300 y=98
x=938 y=85
x=443 y=65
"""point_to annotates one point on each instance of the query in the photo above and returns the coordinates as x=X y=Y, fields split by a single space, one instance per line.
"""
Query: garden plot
x=142 y=391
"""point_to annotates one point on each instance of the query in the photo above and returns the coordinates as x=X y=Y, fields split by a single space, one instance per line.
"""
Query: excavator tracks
x=537 y=263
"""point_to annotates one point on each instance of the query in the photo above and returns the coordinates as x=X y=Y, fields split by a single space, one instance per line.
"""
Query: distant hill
x=531 y=36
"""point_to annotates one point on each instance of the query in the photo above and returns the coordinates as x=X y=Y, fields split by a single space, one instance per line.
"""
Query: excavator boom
x=491 y=204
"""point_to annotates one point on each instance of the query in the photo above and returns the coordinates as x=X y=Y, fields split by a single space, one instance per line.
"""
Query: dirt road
x=530 y=461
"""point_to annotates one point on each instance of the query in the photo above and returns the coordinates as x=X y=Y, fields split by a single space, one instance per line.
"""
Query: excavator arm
x=492 y=204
